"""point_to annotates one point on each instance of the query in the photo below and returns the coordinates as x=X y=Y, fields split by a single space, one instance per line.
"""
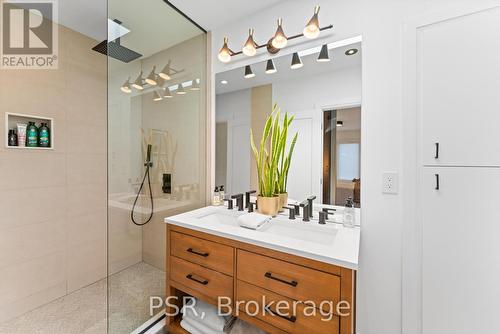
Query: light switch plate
x=390 y=183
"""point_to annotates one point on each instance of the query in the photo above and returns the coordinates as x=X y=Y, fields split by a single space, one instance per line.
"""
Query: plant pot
x=283 y=201
x=268 y=205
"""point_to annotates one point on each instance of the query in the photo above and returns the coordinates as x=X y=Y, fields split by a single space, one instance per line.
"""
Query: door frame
x=411 y=271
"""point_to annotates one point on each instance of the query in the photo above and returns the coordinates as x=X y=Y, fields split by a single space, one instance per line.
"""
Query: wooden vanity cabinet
x=207 y=267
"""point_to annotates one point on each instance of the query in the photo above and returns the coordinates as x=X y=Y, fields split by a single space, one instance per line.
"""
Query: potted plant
x=272 y=164
x=284 y=163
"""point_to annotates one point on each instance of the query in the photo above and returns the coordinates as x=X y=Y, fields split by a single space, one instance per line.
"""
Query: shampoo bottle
x=12 y=138
x=221 y=194
x=31 y=135
x=44 y=135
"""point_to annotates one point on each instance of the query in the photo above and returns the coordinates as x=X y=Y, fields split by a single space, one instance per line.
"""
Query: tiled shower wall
x=53 y=202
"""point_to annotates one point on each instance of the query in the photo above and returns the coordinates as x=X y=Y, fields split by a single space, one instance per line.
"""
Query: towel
x=188 y=327
x=201 y=327
x=206 y=314
x=253 y=220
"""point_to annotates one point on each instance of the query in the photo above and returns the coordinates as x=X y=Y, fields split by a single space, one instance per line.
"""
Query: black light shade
x=248 y=72
x=270 y=68
x=340 y=123
x=323 y=54
x=296 y=61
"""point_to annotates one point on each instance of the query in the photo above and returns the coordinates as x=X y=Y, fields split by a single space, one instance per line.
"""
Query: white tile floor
x=84 y=311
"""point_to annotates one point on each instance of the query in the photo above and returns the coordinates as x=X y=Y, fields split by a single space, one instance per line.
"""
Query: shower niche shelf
x=11 y=121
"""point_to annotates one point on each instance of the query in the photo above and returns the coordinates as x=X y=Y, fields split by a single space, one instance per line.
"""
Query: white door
x=238 y=156
x=461 y=250
x=304 y=177
x=459 y=90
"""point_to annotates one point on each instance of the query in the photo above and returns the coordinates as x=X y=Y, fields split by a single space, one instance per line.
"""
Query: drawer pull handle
x=270 y=275
x=204 y=254
x=436 y=154
x=192 y=278
x=273 y=313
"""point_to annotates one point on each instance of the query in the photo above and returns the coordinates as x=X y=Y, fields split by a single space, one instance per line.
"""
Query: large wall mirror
x=323 y=93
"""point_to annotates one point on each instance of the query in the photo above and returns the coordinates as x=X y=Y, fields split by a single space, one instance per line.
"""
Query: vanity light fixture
x=225 y=52
x=151 y=79
x=311 y=29
x=195 y=85
x=275 y=43
x=270 y=68
x=167 y=93
x=180 y=89
x=126 y=86
x=323 y=54
x=157 y=96
x=279 y=40
x=249 y=49
x=296 y=61
x=248 y=72
x=138 y=82
x=351 y=52
x=224 y=82
x=340 y=123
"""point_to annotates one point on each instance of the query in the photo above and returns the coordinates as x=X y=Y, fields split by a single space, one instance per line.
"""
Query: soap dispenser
x=221 y=194
x=349 y=214
x=216 y=197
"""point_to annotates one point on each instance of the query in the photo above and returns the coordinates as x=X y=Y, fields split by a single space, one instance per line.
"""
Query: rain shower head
x=115 y=50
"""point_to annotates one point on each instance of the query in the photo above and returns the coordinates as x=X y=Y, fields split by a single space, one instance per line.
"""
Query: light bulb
x=249 y=47
x=279 y=40
x=126 y=86
x=323 y=54
x=165 y=73
x=296 y=61
x=311 y=29
x=167 y=93
x=248 y=72
x=196 y=85
x=157 y=96
x=151 y=79
x=138 y=82
x=270 y=68
x=180 y=89
x=225 y=53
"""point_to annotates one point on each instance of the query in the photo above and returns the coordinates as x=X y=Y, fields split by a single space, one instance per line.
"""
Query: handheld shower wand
x=148 y=164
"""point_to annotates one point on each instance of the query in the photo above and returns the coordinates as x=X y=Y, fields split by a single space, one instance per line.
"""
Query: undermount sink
x=296 y=229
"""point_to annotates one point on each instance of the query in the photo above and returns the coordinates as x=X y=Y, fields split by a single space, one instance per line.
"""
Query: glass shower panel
x=156 y=147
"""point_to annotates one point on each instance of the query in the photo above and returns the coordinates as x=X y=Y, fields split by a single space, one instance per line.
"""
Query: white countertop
x=341 y=250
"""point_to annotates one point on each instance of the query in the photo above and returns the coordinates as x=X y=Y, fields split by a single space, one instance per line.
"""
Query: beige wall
x=53 y=202
x=261 y=107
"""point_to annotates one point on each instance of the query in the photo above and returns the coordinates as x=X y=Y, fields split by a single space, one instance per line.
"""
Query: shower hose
x=148 y=165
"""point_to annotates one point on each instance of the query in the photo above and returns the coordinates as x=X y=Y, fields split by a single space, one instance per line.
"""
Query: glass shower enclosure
x=156 y=147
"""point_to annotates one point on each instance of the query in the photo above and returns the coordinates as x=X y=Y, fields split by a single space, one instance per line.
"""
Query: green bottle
x=44 y=135
x=32 y=135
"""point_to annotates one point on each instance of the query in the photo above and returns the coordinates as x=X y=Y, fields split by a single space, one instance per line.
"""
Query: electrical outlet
x=390 y=183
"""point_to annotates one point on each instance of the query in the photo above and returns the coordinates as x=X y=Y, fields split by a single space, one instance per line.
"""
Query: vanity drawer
x=203 y=252
x=291 y=319
x=287 y=279
x=209 y=282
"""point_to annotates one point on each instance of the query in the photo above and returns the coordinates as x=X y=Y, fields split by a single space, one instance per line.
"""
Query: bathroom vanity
x=210 y=256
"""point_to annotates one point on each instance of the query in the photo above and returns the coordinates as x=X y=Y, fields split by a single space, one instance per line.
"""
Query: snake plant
x=272 y=162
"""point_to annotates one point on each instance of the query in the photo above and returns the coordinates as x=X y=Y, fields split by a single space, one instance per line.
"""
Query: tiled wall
x=53 y=202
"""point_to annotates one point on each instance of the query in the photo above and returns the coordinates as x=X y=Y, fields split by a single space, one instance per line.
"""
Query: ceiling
x=211 y=14
x=153 y=24
x=236 y=80
x=89 y=17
